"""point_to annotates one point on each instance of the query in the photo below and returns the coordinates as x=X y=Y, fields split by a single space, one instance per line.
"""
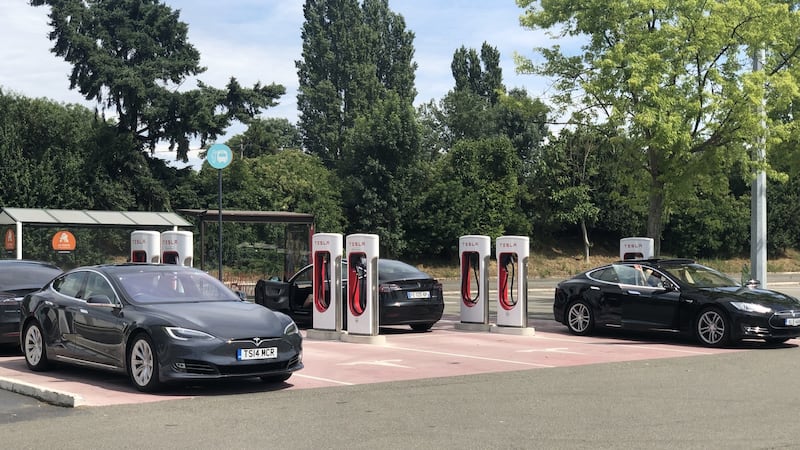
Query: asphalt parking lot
x=442 y=352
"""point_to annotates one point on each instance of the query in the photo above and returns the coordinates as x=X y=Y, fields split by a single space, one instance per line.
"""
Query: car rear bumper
x=408 y=313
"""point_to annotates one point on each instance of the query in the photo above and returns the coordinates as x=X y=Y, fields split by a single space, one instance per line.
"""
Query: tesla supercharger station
x=362 y=284
x=636 y=248
x=512 y=284
x=326 y=250
x=474 y=254
x=177 y=248
x=145 y=246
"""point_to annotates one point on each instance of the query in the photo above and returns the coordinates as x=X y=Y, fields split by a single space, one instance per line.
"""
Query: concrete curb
x=57 y=398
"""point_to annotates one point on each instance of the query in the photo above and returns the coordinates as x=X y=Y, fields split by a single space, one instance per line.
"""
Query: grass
x=560 y=263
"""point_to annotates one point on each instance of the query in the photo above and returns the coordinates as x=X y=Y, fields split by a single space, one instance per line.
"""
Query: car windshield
x=700 y=276
x=165 y=286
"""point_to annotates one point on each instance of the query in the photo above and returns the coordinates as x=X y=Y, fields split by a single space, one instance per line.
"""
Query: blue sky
x=259 y=40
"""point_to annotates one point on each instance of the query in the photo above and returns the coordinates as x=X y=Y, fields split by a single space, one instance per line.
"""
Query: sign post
x=219 y=156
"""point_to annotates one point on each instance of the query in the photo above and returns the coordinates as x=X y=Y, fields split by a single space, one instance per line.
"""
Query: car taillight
x=388 y=287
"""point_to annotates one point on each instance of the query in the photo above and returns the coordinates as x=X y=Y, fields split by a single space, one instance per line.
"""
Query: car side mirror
x=99 y=299
x=752 y=283
x=669 y=286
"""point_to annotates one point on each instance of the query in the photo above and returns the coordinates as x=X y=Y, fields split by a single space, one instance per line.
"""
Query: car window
x=97 y=285
x=389 y=269
x=25 y=276
x=607 y=274
x=70 y=284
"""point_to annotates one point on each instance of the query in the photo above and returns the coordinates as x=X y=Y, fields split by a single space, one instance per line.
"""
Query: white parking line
x=458 y=355
x=327 y=380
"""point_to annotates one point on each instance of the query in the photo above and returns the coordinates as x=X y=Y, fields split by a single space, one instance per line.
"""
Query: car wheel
x=712 y=328
x=276 y=378
x=421 y=326
x=143 y=364
x=580 y=319
x=34 y=348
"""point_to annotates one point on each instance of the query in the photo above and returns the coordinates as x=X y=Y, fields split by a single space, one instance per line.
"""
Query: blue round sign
x=219 y=156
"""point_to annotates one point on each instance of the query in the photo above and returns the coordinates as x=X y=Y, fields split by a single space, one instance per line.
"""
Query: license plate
x=419 y=294
x=244 y=354
x=793 y=322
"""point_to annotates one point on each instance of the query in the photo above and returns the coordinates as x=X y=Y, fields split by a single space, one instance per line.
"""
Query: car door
x=647 y=306
x=604 y=292
x=62 y=309
x=98 y=325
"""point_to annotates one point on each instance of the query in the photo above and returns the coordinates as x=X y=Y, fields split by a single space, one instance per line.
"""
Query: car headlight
x=184 y=334
x=751 y=307
x=291 y=329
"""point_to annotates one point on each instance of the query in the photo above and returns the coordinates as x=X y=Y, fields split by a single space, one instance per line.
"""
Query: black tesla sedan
x=674 y=295
x=407 y=295
x=157 y=323
x=19 y=277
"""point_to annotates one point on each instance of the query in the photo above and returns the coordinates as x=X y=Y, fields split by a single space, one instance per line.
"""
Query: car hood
x=225 y=320
x=764 y=297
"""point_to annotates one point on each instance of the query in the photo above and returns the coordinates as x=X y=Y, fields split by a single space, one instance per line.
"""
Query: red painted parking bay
x=406 y=355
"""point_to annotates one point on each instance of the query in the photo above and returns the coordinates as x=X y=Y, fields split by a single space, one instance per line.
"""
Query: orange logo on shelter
x=10 y=240
x=63 y=241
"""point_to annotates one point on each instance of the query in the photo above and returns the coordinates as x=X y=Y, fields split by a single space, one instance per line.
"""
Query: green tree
x=356 y=108
x=131 y=56
x=673 y=78
x=266 y=137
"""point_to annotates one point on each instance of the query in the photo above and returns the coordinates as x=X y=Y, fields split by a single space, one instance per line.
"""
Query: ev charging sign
x=327 y=272
x=362 y=284
x=512 y=280
x=474 y=253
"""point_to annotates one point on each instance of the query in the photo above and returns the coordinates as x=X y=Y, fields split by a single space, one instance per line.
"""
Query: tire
x=579 y=318
x=276 y=378
x=421 y=326
x=712 y=328
x=33 y=347
x=143 y=364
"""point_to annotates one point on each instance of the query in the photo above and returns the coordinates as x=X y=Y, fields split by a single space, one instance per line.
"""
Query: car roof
x=19 y=262
x=659 y=262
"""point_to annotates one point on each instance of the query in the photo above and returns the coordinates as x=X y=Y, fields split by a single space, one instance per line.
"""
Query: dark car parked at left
x=157 y=323
x=677 y=296
x=19 y=277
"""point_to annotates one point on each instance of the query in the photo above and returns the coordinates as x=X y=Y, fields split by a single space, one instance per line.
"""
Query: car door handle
x=48 y=303
x=632 y=292
x=84 y=311
x=594 y=288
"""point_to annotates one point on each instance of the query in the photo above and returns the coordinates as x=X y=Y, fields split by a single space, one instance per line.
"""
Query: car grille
x=204 y=368
x=778 y=320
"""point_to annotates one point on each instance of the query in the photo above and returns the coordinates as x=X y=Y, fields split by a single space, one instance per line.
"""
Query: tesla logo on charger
x=471 y=244
x=358 y=244
x=507 y=245
x=633 y=245
x=322 y=243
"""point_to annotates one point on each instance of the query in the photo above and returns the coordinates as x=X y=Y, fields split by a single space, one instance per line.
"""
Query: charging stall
x=636 y=248
x=177 y=248
x=326 y=250
x=512 y=284
x=475 y=252
x=145 y=246
x=362 y=284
